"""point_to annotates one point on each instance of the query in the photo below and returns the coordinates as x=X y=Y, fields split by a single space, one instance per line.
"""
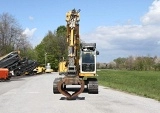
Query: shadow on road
x=75 y=98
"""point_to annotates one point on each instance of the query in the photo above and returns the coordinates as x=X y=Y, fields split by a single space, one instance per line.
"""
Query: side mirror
x=97 y=52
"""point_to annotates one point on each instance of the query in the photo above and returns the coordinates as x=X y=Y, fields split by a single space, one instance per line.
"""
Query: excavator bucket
x=59 y=87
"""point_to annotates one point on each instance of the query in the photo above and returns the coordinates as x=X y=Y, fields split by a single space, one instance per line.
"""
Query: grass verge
x=144 y=83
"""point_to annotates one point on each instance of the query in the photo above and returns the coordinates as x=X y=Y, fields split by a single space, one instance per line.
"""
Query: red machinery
x=4 y=74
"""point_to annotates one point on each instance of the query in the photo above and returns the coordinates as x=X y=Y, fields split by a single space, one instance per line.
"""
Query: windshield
x=88 y=57
x=88 y=61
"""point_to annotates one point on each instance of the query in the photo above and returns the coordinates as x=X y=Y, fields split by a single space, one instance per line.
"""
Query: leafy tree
x=120 y=62
x=40 y=53
x=157 y=66
x=62 y=41
x=149 y=62
x=61 y=31
x=54 y=46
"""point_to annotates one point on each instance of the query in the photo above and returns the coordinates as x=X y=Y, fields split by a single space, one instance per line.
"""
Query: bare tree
x=11 y=37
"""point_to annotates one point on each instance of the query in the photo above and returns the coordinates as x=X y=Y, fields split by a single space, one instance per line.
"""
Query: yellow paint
x=68 y=16
x=87 y=74
x=72 y=38
x=62 y=67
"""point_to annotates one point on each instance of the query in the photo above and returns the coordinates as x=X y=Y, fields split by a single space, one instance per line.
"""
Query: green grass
x=144 y=83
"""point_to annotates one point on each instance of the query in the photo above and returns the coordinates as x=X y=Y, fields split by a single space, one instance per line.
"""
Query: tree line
x=140 y=63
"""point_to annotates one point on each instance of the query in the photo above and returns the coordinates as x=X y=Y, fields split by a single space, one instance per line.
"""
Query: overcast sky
x=120 y=28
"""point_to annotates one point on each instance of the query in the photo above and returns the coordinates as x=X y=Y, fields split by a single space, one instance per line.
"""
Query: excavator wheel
x=92 y=86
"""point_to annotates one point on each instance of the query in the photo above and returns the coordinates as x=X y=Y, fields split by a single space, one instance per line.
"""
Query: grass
x=144 y=83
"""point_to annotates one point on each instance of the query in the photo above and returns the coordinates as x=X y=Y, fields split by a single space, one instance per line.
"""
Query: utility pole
x=45 y=59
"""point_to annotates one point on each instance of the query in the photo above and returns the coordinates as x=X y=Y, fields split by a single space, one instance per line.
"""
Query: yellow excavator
x=80 y=66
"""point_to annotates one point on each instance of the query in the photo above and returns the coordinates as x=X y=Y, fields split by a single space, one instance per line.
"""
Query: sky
x=120 y=28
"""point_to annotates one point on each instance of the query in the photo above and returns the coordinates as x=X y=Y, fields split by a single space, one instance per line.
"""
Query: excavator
x=80 y=66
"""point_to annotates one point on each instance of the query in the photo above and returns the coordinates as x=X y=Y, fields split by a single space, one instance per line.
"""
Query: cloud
x=29 y=32
x=31 y=18
x=125 y=40
x=153 y=15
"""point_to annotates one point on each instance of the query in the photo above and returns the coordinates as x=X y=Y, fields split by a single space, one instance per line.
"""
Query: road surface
x=34 y=95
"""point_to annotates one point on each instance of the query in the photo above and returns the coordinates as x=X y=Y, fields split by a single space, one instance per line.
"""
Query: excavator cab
x=88 y=62
x=88 y=58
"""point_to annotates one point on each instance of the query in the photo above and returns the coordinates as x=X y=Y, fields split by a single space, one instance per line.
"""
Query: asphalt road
x=34 y=95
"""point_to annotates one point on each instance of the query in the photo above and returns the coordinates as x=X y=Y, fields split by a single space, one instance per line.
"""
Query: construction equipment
x=4 y=74
x=48 y=68
x=80 y=66
x=27 y=67
x=16 y=65
x=10 y=61
x=39 y=70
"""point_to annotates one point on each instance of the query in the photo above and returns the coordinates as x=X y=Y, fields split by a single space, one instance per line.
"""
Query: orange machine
x=4 y=74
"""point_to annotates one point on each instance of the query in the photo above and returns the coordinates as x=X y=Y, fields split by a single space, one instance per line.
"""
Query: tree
x=111 y=65
x=54 y=46
x=48 y=47
x=120 y=62
x=156 y=63
x=11 y=37
x=149 y=62
x=61 y=31
x=62 y=41
x=130 y=63
x=40 y=53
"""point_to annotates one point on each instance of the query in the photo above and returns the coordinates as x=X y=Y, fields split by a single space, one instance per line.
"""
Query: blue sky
x=120 y=28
